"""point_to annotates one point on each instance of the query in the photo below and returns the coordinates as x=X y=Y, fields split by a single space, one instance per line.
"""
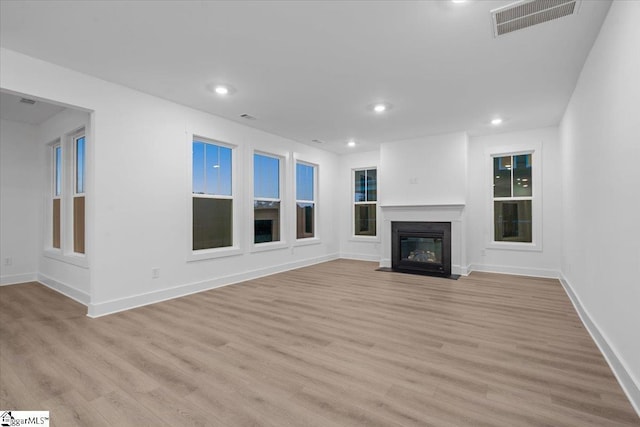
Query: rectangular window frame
x=535 y=150
x=354 y=204
x=66 y=252
x=57 y=192
x=235 y=248
x=76 y=195
x=315 y=239
x=284 y=241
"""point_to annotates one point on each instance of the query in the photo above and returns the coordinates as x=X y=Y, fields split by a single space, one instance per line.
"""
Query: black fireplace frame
x=425 y=229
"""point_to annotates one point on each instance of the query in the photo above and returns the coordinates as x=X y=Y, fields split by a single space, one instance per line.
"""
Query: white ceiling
x=308 y=70
x=12 y=109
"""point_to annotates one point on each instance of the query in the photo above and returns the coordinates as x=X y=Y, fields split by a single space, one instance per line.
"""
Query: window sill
x=78 y=260
x=515 y=246
x=308 y=241
x=268 y=246
x=205 y=254
x=365 y=239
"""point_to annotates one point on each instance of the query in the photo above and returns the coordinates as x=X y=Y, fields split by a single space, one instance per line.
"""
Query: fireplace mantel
x=438 y=212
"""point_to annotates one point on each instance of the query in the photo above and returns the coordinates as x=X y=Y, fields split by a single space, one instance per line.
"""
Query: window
x=212 y=195
x=56 y=208
x=266 y=198
x=513 y=198
x=305 y=200
x=79 y=196
x=365 y=197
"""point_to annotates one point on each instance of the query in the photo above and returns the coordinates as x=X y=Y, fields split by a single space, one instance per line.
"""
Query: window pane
x=217 y=170
x=365 y=216
x=266 y=177
x=304 y=220
x=512 y=221
x=212 y=223
x=80 y=145
x=266 y=221
x=502 y=176
x=304 y=182
x=58 y=170
x=78 y=225
x=198 y=168
x=522 y=175
x=372 y=185
x=360 y=183
x=56 y=224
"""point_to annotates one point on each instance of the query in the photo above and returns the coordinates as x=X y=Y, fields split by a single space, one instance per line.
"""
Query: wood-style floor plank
x=334 y=344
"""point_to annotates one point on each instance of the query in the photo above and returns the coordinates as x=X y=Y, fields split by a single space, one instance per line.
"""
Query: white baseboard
x=629 y=384
x=360 y=257
x=127 y=303
x=14 y=279
x=66 y=290
x=519 y=271
x=385 y=263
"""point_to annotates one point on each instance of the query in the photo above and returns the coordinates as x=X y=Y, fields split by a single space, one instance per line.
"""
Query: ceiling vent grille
x=27 y=101
x=247 y=116
x=526 y=13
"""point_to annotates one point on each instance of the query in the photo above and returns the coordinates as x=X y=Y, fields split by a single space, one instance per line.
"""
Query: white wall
x=428 y=170
x=356 y=247
x=544 y=262
x=61 y=269
x=139 y=188
x=600 y=137
x=20 y=197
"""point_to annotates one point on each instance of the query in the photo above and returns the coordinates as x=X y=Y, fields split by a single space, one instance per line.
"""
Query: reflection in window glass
x=57 y=170
x=266 y=203
x=522 y=185
x=305 y=202
x=212 y=223
x=211 y=169
x=305 y=220
x=304 y=182
x=212 y=206
x=513 y=221
x=512 y=192
x=365 y=197
x=80 y=159
x=266 y=177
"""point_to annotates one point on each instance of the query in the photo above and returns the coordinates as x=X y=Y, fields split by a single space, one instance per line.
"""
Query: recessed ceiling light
x=379 y=108
x=221 y=89
x=351 y=143
x=458 y=1
x=496 y=121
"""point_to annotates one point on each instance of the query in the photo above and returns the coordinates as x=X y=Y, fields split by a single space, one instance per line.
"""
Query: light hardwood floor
x=336 y=344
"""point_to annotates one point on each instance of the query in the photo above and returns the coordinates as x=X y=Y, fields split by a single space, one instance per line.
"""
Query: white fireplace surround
x=453 y=213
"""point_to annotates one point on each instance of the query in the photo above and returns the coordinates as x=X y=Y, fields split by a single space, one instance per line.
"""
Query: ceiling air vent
x=248 y=117
x=526 y=13
x=317 y=141
x=27 y=101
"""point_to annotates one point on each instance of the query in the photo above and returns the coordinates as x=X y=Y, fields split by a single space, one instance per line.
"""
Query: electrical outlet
x=8 y=261
x=155 y=273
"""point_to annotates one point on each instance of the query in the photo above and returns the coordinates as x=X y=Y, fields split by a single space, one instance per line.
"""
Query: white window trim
x=67 y=192
x=48 y=242
x=316 y=178
x=354 y=237
x=235 y=248
x=283 y=243
x=73 y=139
x=535 y=149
